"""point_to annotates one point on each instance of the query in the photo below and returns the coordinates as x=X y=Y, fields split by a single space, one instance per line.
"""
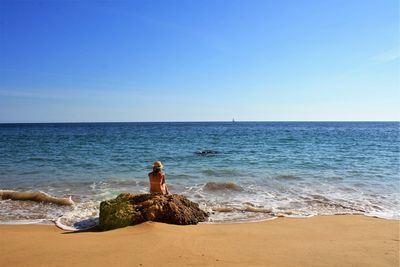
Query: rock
x=206 y=152
x=130 y=209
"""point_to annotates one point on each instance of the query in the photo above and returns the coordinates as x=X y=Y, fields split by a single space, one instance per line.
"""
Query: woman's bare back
x=157 y=182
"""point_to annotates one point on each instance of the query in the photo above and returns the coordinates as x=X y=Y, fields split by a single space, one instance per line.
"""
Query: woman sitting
x=157 y=179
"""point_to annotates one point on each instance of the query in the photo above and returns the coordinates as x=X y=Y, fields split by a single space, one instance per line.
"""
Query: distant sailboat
x=233 y=119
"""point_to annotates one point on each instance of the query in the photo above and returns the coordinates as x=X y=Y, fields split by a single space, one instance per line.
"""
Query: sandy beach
x=318 y=241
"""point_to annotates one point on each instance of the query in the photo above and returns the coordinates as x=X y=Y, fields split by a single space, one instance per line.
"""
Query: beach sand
x=340 y=240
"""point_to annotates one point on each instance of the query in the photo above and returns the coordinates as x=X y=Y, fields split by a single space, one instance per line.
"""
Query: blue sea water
x=238 y=171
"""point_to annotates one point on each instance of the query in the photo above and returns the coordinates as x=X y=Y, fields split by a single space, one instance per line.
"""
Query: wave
x=121 y=182
x=214 y=186
x=36 y=196
x=221 y=172
x=287 y=177
x=83 y=225
x=41 y=159
x=244 y=209
x=104 y=183
x=26 y=221
x=83 y=216
x=334 y=205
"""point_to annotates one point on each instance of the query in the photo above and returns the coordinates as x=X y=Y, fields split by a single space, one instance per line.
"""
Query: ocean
x=238 y=171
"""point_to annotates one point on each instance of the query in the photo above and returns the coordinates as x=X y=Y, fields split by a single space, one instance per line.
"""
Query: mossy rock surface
x=130 y=209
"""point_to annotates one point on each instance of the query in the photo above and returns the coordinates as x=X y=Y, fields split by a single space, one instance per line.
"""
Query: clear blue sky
x=199 y=60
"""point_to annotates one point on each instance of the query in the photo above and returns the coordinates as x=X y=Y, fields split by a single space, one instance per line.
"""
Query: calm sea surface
x=238 y=171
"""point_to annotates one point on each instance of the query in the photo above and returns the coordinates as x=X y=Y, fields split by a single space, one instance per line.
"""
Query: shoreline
x=333 y=240
x=54 y=223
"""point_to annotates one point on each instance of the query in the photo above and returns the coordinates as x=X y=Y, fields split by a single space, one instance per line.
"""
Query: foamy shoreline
x=63 y=227
x=346 y=240
x=83 y=214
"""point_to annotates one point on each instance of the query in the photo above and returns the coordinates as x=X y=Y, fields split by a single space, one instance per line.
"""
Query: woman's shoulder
x=160 y=174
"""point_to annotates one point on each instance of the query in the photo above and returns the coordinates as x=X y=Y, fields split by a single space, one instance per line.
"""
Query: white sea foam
x=37 y=221
x=83 y=216
x=254 y=201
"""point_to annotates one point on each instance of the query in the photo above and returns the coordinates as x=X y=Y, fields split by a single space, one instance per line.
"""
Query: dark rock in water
x=129 y=209
x=206 y=152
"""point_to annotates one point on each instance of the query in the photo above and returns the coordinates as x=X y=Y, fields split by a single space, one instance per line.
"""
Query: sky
x=200 y=60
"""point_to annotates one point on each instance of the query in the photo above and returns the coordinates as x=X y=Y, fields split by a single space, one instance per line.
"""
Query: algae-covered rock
x=129 y=209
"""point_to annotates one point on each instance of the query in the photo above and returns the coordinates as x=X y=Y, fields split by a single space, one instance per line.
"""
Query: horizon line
x=211 y=121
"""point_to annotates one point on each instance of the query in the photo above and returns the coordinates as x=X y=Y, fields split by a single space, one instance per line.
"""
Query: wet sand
x=318 y=241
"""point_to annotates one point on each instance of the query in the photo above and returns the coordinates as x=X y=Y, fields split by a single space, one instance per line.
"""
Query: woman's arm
x=165 y=185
